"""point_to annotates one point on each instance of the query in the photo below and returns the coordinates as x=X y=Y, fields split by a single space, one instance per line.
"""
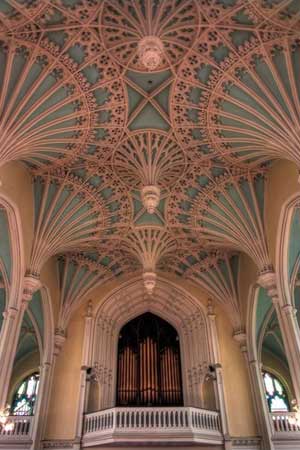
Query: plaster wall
x=239 y=403
x=64 y=394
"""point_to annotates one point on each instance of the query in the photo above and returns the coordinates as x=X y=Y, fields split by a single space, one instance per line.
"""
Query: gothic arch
x=286 y=279
x=171 y=303
x=17 y=256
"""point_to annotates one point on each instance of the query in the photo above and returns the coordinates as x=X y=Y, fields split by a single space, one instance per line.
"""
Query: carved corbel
x=59 y=340
x=267 y=280
x=241 y=338
x=31 y=284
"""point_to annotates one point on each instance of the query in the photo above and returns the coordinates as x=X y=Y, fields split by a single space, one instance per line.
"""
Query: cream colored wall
x=282 y=183
x=240 y=409
x=61 y=421
x=17 y=185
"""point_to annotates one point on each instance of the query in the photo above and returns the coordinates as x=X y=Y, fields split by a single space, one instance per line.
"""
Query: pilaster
x=11 y=326
x=258 y=393
x=85 y=364
x=219 y=384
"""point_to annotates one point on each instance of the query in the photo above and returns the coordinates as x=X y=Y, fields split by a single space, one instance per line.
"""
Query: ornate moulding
x=149 y=35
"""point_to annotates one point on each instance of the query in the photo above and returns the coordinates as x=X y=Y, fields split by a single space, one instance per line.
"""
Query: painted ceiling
x=148 y=127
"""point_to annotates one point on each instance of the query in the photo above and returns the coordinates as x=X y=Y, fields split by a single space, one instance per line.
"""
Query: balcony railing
x=186 y=425
x=20 y=436
x=283 y=424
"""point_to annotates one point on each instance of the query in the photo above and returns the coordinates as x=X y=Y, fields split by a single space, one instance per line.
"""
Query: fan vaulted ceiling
x=148 y=127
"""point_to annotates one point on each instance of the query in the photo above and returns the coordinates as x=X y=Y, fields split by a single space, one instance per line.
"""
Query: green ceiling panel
x=149 y=117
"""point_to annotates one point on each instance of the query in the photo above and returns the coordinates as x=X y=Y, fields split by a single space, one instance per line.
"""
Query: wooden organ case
x=149 y=371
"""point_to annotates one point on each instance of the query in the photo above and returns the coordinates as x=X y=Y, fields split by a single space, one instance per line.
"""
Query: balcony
x=20 y=436
x=152 y=425
x=285 y=434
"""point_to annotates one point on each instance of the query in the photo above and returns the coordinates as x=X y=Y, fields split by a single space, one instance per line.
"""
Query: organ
x=149 y=371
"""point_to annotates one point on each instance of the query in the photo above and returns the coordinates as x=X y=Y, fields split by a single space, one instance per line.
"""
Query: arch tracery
x=171 y=304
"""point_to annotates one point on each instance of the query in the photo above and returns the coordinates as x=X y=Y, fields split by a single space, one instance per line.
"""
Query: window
x=275 y=393
x=25 y=396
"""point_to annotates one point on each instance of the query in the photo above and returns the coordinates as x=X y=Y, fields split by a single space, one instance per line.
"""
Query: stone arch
x=14 y=281
x=173 y=304
x=285 y=262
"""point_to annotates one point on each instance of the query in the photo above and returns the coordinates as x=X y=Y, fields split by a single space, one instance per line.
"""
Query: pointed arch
x=13 y=273
x=288 y=253
x=174 y=305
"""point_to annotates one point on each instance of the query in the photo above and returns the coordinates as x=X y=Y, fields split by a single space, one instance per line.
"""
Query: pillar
x=263 y=421
x=85 y=364
x=221 y=400
x=46 y=379
x=287 y=322
x=12 y=322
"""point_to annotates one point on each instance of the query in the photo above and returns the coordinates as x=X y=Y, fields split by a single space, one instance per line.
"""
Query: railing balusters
x=163 y=419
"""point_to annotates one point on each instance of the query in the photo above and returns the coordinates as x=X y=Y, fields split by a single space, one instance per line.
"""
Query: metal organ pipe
x=149 y=364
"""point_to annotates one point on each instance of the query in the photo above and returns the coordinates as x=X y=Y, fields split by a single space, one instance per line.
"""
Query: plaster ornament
x=31 y=285
x=149 y=281
x=150 y=52
x=150 y=198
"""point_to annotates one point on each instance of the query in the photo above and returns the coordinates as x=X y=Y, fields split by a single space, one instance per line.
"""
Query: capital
x=289 y=310
x=59 y=340
x=267 y=280
x=31 y=284
x=10 y=313
x=89 y=309
x=241 y=338
x=210 y=308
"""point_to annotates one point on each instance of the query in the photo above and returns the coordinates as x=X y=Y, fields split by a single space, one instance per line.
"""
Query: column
x=86 y=363
x=221 y=401
x=287 y=321
x=13 y=317
x=263 y=421
x=43 y=399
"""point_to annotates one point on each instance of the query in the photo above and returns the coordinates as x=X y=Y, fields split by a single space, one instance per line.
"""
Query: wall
x=64 y=395
x=239 y=403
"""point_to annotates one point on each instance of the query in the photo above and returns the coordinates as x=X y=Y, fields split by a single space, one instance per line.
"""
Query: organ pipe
x=149 y=370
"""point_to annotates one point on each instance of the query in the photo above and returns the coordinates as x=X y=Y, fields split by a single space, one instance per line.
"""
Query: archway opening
x=149 y=367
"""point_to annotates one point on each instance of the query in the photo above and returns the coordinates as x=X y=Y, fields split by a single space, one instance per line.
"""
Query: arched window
x=275 y=393
x=149 y=363
x=25 y=396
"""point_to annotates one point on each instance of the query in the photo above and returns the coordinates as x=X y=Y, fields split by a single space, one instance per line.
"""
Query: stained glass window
x=25 y=396
x=275 y=393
